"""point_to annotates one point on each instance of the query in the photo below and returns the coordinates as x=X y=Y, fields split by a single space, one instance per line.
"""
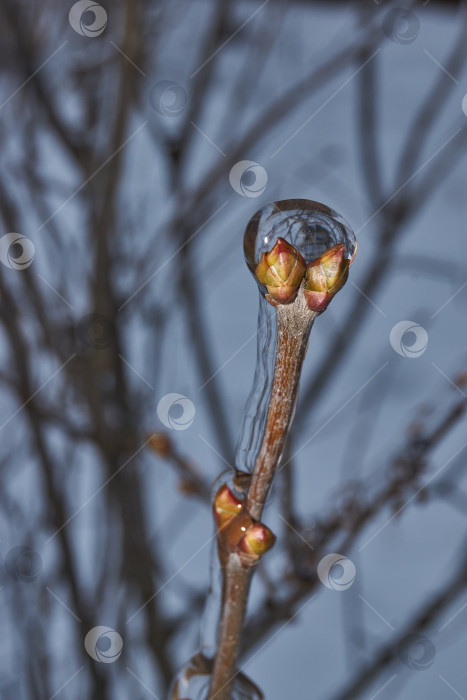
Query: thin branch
x=294 y=324
x=423 y=619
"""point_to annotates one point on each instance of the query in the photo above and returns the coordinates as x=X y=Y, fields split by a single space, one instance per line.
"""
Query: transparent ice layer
x=309 y=226
x=192 y=682
x=255 y=413
x=312 y=228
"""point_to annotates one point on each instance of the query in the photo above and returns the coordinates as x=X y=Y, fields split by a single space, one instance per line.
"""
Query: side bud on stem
x=225 y=507
x=281 y=271
x=238 y=532
x=256 y=541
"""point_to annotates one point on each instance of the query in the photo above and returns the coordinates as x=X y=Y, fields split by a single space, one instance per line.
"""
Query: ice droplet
x=310 y=226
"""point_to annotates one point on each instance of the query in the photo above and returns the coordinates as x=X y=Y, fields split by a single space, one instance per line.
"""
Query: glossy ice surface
x=310 y=226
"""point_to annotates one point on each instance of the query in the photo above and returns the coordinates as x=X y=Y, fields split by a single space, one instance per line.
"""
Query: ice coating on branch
x=254 y=415
x=192 y=682
x=312 y=228
x=237 y=532
x=232 y=486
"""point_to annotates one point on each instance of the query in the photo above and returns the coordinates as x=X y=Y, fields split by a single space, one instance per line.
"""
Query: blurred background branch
x=122 y=284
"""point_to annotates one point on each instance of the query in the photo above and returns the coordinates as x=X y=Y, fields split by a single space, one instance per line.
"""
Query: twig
x=424 y=618
x=293 y=329
x=294 y=323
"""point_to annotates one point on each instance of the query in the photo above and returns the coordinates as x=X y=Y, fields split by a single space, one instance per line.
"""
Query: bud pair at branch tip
x=283 y=269
x=237 y=531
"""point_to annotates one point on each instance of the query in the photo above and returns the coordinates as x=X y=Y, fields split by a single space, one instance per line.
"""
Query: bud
x=188 y=488
x=160 y=443
x=461 y=379
x=325 y=276
x=231 y=531
x=225 y=507
x=281 y=271
x=256 y=541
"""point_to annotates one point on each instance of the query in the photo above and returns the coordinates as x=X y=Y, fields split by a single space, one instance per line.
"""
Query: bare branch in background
x=122 y=287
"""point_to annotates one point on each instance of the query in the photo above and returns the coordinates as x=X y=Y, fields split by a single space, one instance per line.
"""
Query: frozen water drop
x=310 y=226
